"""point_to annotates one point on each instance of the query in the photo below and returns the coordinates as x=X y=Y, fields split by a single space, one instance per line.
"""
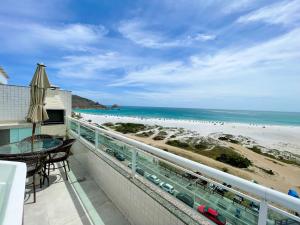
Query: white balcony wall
x=15 y=100
x=138 y=207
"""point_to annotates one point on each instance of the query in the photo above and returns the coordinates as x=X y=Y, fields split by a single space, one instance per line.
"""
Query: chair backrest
x=34 y=160
x=66 y=146
x=37 y=137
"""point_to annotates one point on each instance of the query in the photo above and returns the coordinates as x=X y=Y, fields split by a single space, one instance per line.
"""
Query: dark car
x=140 y=171
x=212 y=214
x=220 y=191
x=189 y=176
x=201 y=182
x=186 y=199
x=238 y=199
x=119 y=156
x=110 y=151
x=254 y=206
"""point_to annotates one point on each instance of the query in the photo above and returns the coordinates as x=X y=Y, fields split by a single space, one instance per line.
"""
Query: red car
x=212 y=214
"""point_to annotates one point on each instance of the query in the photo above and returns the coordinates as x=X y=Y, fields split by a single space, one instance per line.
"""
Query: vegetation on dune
x=268 y=171
x=229 y=138
x=178 y=143
x=160 y=136
x=108 y=124
x=129 y=127
x=219 y=153
x=279 y=158
x=145 y=134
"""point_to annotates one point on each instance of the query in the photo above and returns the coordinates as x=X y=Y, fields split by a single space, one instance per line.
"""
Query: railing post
x=78 y=129
x=96 y=139
x=263 y=213
x=133 y=162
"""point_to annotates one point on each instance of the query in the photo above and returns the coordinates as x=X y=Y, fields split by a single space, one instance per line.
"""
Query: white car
x=154 y=179
x=167 y=187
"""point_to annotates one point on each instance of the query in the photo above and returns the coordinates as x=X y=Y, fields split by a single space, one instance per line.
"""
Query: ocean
x=237 y=116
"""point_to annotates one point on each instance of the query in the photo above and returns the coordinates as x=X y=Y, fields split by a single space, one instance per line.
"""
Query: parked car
x=137 y=169
x=186 y=199
x=201 y=182
x=154 y=179
x=119 y=156
x=140 y=171
x=167 y=187
x=212 y=214
x=221 y=191
x=191 y=176
x=254 y=206
x=110 y=151
x=238 y=199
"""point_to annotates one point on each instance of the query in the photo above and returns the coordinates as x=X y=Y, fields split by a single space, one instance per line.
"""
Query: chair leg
x=41 y=179
x=65 y=169
x=68 y=165
x=34 y=195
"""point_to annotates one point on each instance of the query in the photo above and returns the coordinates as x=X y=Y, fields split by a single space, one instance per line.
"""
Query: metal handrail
x=265 y=194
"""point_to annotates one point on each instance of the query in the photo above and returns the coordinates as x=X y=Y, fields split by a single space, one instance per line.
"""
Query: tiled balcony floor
x=79 y=201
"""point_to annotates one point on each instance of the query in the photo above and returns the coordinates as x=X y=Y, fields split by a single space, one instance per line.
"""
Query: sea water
x=237 y=116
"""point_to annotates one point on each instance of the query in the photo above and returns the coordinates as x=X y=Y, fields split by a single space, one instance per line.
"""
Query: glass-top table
x=26 y=147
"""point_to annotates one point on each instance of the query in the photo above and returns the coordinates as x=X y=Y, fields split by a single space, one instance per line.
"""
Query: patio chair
x=60 y=154
x=35 y=164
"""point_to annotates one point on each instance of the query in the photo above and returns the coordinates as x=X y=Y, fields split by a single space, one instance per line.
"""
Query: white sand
x=283 y=138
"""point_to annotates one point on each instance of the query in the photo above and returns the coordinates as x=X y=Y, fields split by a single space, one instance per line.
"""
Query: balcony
x=238 y=200
x=78 y=201
x=117 y=180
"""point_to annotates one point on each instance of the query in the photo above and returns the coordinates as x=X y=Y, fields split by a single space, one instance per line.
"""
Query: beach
x=282 y=138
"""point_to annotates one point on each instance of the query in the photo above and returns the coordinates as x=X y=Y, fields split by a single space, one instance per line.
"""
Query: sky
x=237 y=54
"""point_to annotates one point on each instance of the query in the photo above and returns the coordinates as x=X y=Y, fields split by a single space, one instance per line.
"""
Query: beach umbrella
x=38 y=86
x=293 y=193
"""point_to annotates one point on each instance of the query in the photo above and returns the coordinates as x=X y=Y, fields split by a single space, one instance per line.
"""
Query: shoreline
x=192 y=120
x=282 y=138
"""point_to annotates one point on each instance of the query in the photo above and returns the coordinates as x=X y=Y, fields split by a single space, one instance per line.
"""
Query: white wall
x=137 y=206
x=3 y=79
x=15 y=100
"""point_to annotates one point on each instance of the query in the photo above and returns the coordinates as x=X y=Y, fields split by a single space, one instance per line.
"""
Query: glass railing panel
x=177 y=182
x=88 y=134
x=73 y=126
x=202 y=190
x=277 y=218
x=121 y=151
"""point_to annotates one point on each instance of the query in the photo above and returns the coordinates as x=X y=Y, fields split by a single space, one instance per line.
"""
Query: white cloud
x=94 y=66
x=204 y=37
x=222 y=73
x=34 y=36
x=139 y=33
x=284 y=12
x=238 y=5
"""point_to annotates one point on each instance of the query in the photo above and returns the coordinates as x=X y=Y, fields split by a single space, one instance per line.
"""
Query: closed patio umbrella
x=38 y=86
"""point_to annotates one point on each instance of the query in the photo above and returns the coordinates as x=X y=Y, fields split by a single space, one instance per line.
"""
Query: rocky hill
x=84 y=103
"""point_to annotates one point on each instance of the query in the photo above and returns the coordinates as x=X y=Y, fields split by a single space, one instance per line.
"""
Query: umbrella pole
x=33 y=132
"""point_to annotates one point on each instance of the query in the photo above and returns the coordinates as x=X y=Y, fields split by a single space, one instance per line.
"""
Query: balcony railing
x=240 y=201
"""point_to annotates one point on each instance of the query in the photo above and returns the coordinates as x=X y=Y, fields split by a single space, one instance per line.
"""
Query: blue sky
x=238 y=54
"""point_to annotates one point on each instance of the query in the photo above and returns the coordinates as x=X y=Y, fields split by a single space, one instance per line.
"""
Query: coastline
x=279 y=137
x=283 y=175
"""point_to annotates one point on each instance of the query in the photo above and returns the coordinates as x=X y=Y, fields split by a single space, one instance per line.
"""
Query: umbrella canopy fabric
x=39 y=84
